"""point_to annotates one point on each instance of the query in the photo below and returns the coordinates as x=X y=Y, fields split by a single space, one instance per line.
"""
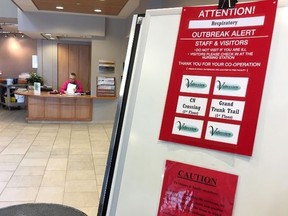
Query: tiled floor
x=50 y=162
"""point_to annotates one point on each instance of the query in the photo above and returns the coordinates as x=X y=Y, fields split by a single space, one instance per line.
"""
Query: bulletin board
x=217 y=76
x=140 y=167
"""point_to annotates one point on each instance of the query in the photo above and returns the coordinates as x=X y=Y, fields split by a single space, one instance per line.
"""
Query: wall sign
x=217 y=76
x=189 y=190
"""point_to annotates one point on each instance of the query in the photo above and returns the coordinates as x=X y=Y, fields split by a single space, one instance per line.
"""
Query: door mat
x=40 y=209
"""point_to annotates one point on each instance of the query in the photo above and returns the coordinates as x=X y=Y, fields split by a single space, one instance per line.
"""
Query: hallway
x=51 y=162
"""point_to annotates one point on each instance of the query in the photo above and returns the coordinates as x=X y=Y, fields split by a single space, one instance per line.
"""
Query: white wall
x=47 y=61
x=16 y=56
x=112 y=47
x=8 y=9
x=56 y=23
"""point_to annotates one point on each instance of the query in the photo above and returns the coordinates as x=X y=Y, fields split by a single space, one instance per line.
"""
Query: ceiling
x=99 y=8
x=107 y=7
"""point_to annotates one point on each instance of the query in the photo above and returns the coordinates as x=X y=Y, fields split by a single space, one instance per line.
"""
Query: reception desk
x=58 y=107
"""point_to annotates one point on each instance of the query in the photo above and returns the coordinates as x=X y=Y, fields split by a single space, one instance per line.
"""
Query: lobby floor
x=52 y=163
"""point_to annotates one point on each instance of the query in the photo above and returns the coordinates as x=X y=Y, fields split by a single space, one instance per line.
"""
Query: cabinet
x=55 y=107
x=7 y=95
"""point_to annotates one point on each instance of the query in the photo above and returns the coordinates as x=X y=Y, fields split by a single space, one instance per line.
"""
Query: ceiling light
x=98 y=10
x=48 y=36
x=59 y=7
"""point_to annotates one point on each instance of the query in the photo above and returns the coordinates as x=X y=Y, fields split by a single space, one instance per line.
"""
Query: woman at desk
x=71 y=85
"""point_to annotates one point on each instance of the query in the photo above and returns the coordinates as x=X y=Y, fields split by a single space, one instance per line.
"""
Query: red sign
x=217 y=76
x=189 y=190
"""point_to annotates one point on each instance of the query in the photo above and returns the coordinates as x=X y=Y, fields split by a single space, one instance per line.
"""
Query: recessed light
x=98 y=10
x=59 y=7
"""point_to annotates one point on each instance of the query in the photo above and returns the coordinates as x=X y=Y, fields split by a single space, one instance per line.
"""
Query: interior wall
x=8 y=9
x=47 y=61
x=66 y=24
x=112 y=48
x=16 y=56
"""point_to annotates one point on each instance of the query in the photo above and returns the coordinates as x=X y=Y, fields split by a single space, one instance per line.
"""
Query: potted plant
x=34 y=77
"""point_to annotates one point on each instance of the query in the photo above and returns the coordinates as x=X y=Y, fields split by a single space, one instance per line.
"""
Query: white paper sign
x=195 y=84
x=191 y=105
x=187 y=127
x=231 y=86
x=71 y=89
x=222 y=132
x=236 y=22
x=227 y=109
x=37 y=88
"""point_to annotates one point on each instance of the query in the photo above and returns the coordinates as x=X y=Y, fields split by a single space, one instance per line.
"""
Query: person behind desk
x=71 y=83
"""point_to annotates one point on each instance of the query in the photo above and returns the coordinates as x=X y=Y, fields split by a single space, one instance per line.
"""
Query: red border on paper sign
x=190 y=190
x=217 y=77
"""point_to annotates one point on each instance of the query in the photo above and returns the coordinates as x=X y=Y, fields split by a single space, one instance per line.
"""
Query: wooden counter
x=58 y=107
